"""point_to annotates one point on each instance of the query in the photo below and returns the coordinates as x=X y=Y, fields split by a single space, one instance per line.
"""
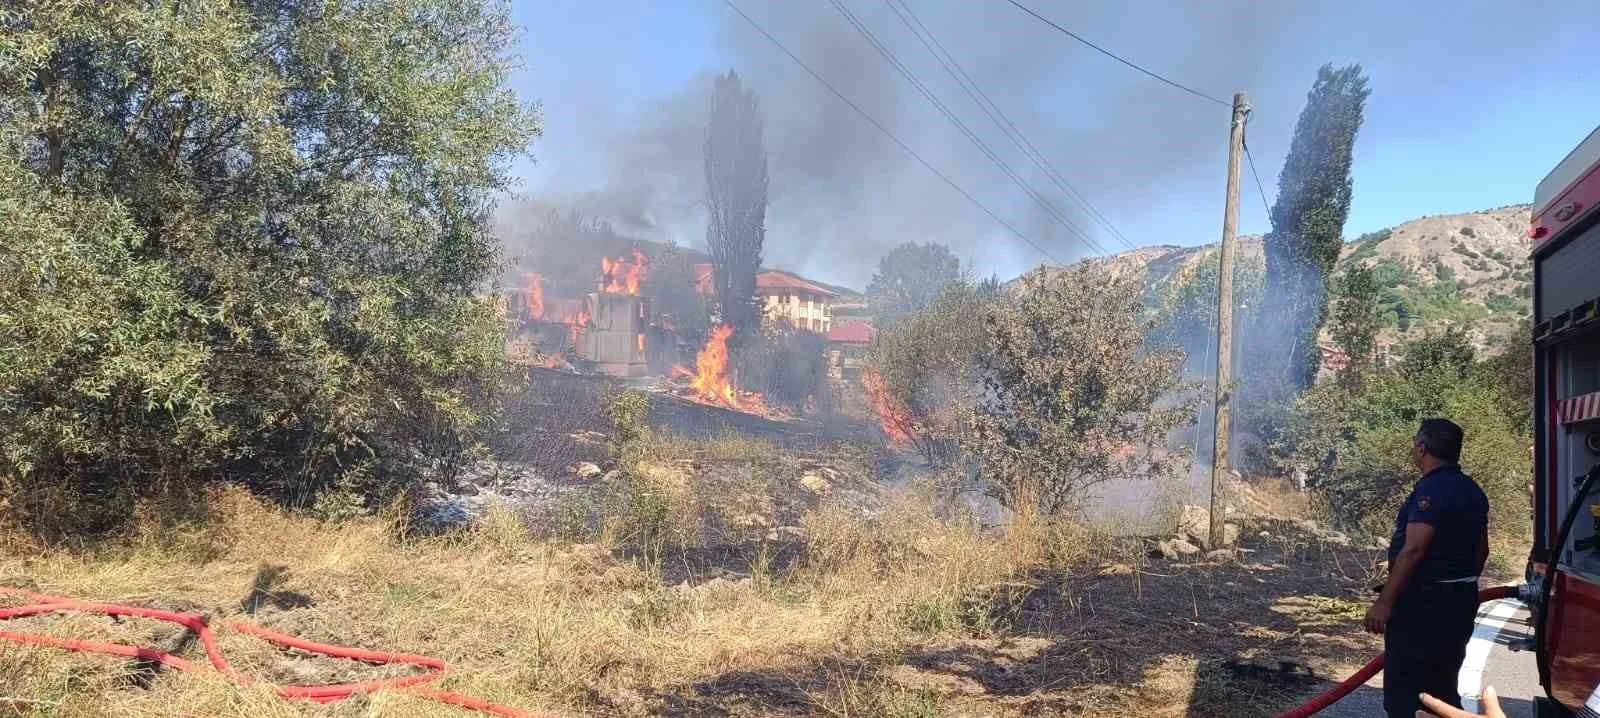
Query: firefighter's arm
x=1483 y=549
x=1418 y=536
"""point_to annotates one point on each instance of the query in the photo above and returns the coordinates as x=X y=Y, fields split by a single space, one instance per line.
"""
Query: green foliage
x=1388 y=273
x=628 y=413
x=1069 y=391
x=1442 y=301
x=1450 y=351
x=1355 y=322
x=671 y=285
x=1186 y=308
x=736 y=200
x=908 y=279
x=1506 y=304
x=926 y=363
x=1314 y=191
x=1359 y=442
x=789 y=366
x=1367 y=245
x=243 y=240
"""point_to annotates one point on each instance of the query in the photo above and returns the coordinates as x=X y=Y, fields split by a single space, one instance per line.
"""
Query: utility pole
x=1222 y=391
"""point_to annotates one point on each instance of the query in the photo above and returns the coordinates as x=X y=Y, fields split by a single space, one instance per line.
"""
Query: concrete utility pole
x=1222 y=390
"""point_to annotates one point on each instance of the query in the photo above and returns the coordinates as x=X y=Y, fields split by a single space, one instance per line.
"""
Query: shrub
x=628 y=413
x=1070 y=395
x=922 y=370
x=789 y=366
x=1358 y=443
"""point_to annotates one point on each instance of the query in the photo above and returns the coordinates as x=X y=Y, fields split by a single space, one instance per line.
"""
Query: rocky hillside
x=1465 y=270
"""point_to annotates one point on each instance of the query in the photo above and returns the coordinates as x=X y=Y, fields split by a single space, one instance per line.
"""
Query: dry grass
x=530 y=622
x=904 y=610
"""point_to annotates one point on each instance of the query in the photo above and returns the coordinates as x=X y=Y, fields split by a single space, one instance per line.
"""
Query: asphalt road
x=1489 y=663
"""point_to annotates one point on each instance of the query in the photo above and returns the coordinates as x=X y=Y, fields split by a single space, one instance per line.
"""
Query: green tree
x=925 y=368
x=672 y=285
x=1070 y=394
x=736 y=198
x=255 y=240
x=1450 y=350
x=1186 y=309
x=1355 y=322
x=1308 y=217
x=1358 y=442
x=908 y=279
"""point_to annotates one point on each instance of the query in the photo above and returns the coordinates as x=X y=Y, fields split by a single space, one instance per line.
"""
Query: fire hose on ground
x=1360 y=677
x=199 y=625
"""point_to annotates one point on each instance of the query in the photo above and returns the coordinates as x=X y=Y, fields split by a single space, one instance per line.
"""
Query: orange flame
x=894 y=418
x=710 y=380
x=638 y=340
x=535 y=295
x=622 y=275
x=576 y=323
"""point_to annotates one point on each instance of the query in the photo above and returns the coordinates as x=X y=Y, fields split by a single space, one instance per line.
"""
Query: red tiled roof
x=769 y=280
x=848 y=331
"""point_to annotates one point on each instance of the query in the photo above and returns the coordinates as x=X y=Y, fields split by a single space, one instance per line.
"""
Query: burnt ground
x=1247 y=637
x=559 y=420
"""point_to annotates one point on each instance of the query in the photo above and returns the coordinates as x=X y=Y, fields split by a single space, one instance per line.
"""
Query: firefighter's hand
x=1377 y=617
x=1440 y=709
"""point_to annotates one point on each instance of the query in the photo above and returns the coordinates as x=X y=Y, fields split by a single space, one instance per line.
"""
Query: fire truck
x=1563 y=586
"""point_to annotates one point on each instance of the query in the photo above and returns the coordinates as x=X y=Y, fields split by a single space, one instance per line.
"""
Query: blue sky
x=1472 y=102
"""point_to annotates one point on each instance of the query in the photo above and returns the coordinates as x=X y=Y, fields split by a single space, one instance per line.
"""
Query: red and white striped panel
x=1578 y=408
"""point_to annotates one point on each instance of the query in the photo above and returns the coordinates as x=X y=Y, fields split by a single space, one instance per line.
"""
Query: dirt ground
x=1247 y=637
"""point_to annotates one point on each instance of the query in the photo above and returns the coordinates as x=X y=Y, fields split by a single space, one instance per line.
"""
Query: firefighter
x=1427 y=608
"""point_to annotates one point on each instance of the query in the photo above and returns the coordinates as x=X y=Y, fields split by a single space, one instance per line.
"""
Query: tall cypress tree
x=736 y=197
x=1308 y=218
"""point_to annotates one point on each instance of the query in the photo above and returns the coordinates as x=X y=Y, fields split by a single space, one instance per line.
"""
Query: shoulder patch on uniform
x=1423 y=504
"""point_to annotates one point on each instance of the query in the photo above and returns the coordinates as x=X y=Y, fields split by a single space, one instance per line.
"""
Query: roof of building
x=852 y=331
x=776 y=280
x=770 y=280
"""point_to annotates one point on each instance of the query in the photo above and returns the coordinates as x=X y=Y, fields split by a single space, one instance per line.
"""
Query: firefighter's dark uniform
x=1432 y=620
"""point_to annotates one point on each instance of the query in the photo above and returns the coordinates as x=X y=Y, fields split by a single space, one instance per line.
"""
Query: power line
x=910 y=76
x=887 y=133
x=1118 y=58
x=998 y=116
x=1259 y=189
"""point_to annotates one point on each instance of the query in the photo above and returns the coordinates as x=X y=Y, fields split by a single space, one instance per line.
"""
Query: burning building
x=610 y=328
x=616 y=338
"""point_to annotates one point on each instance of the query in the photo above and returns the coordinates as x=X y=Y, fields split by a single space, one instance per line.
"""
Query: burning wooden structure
x=616 y=338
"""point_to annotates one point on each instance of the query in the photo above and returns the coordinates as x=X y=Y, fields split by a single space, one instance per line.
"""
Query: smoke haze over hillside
x=626 y=91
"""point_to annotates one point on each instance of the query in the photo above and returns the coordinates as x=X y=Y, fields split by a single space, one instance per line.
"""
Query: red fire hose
x=199 y=625
x=1357 y=679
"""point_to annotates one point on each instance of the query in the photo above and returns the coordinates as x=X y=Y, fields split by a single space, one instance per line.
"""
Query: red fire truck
x=1564 y=575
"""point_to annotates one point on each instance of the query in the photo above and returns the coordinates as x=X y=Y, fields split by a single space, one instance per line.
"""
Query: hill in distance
x=1469 y=270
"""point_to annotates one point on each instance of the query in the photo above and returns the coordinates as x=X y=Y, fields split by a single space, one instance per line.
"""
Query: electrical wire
x=1119 y=58
x=1259 y=190
x=910 y=76
x=903 y=146
x=997 y=115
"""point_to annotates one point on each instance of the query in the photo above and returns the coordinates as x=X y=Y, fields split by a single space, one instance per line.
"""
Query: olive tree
x=247 y=240
x=1071 y=394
